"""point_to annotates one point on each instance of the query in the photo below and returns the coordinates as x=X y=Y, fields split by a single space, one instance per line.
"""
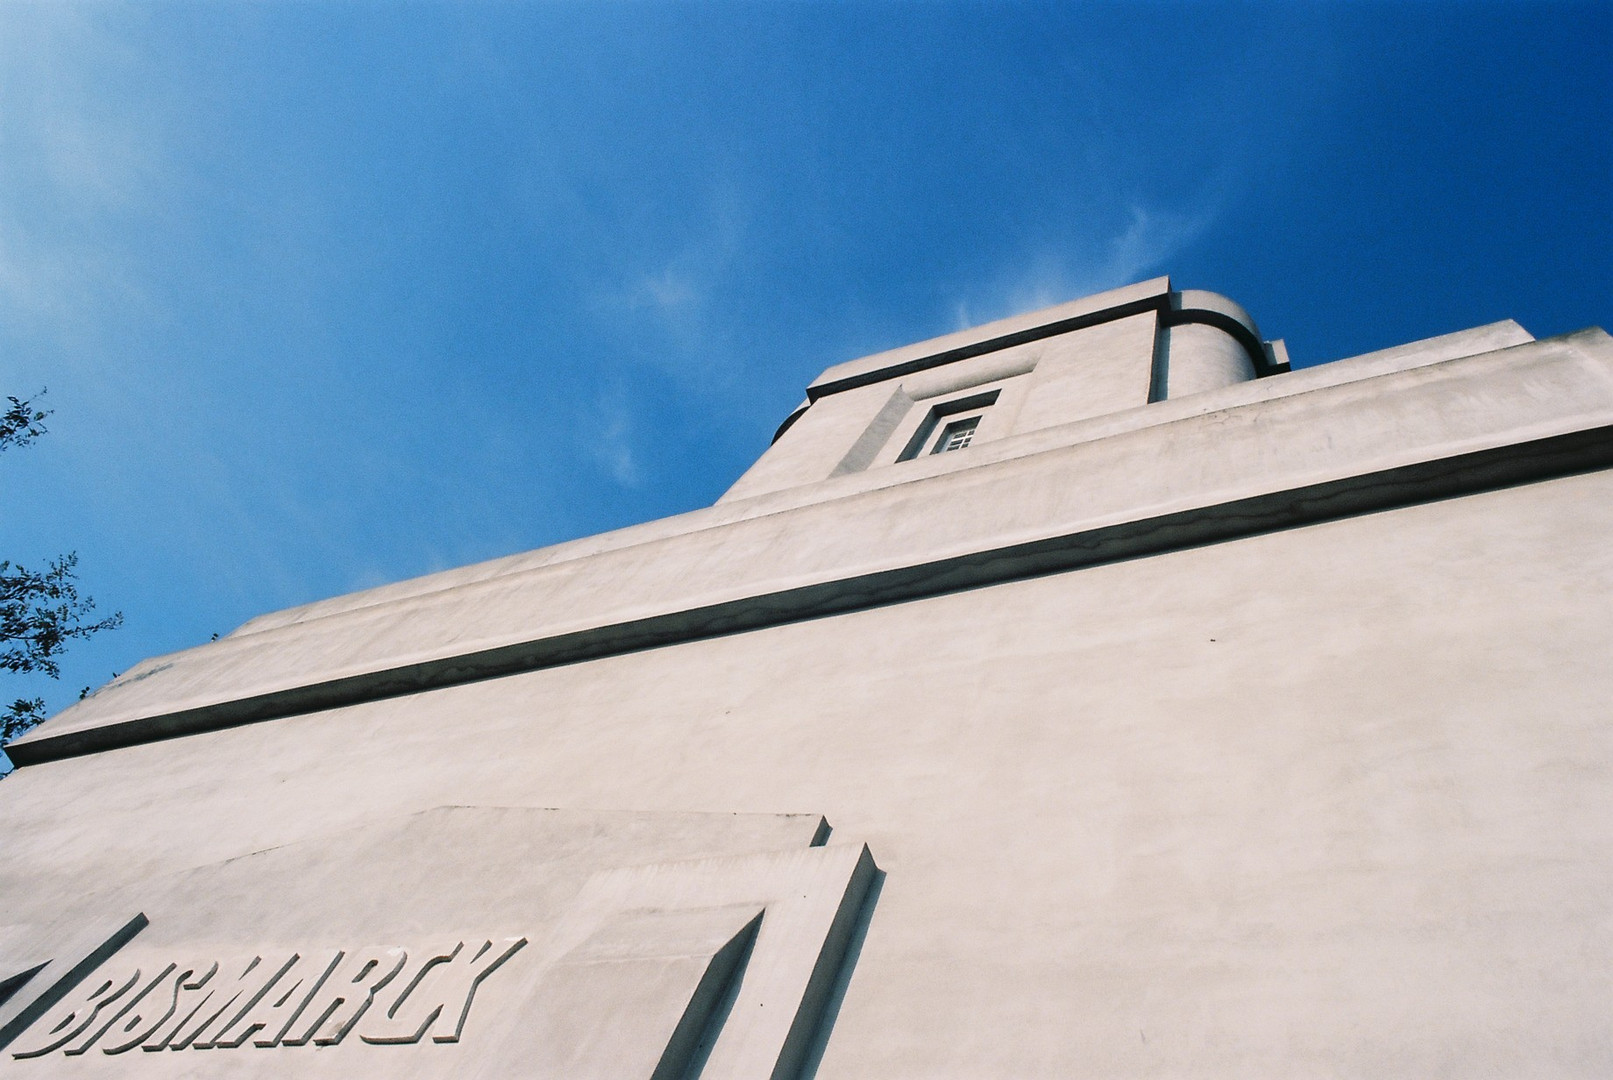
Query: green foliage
x=40 y=610
x=20 y=715
x=22 y=423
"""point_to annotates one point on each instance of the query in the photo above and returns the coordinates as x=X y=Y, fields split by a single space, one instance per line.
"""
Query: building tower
x=1081 y=695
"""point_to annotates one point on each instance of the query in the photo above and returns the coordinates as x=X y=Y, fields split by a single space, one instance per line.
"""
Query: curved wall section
x=1200 y=357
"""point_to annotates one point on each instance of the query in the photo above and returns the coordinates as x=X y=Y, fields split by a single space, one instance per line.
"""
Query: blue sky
x=329 y=295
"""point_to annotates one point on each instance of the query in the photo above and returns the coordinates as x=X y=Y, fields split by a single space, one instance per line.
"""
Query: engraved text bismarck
x=380 y=995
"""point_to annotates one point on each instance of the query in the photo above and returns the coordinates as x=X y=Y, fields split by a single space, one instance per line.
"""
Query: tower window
x=956 y=435
x=957 y=420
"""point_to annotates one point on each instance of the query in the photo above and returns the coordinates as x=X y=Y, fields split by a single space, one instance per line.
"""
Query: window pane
x=956 y=435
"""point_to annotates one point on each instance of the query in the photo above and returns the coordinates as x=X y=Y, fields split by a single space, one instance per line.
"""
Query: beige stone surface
x=1094 y=372
x=465 y=941
x=1202 y=358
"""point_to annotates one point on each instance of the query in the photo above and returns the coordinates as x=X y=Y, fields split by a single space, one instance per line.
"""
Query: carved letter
x=130 y=1001
x=78 y=1013
x=274 y=1012
x=226 y=1002
x=165 y=994
x=190 y=995
x=439 y=996
x=331 y=1013
x=32 y=984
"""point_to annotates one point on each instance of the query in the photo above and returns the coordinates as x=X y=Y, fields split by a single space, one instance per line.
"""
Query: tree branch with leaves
x=22 y=423
x=41 y=611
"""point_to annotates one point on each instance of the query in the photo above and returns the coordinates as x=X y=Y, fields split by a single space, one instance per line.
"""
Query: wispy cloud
x=613 y=442
x=673 y=293
x=77 y=156
x=1140 y=245
x=680 y=296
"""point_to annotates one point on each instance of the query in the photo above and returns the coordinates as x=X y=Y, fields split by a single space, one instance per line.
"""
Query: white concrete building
x=1081 y=695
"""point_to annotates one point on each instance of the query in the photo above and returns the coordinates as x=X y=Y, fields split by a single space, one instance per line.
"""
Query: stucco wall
x=1324 y=801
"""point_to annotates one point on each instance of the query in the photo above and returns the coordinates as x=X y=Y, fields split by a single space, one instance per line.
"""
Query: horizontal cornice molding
x=1174 y=309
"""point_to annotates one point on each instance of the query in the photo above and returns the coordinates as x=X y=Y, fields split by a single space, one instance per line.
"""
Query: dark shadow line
x=813 y=1056
x=721 y=1008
